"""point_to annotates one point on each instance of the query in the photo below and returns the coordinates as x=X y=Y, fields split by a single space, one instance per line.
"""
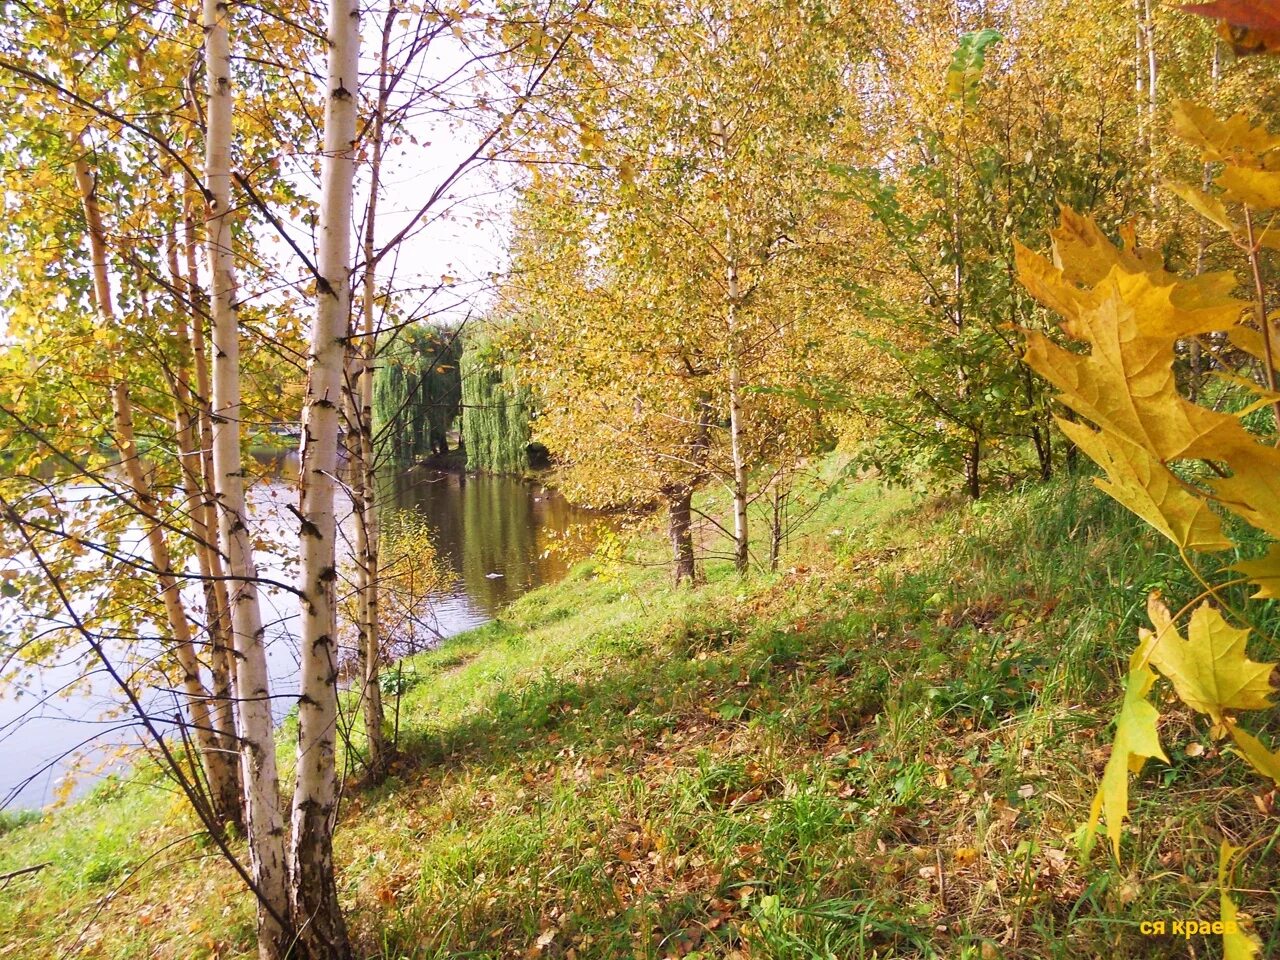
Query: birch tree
x=313 y=892
x=263 y=818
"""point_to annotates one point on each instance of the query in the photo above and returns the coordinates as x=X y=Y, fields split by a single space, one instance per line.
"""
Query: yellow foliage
x=1137 y=740
x=1237 y=944
x=1259 y=189
x=1236 y=140
x=1209 y=669
x=1263 y=573
x=1131 y=314
x=1126 y=384
x=1148 y=488
x=1252 y=749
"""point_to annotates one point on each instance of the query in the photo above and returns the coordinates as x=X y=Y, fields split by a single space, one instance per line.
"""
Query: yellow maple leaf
x=1137 y=740
x=1165 y=304
x=1209 y=669
x=1253 y=750
x=1253 y=489
x=1085 y=254
x=1209 y=207
x=1126 y=383
x=1249 y=340
x=1237 y=944
x=1235 y=140
x=1148 y=488
x=1264 y=573
x=1047 y=284
x=1259 y=189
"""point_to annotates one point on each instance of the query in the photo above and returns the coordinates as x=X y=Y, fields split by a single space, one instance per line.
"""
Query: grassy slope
x=882 y=751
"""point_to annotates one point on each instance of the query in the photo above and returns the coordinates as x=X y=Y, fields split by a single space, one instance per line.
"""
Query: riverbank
x=884 y=749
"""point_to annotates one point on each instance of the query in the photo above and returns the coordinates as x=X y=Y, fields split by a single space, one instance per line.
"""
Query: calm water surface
x=491 y=536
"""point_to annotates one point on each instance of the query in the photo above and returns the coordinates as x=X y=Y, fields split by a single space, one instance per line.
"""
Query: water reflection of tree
x=485 y=525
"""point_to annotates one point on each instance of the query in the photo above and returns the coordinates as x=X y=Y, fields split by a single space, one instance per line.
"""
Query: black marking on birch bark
x=341 y=93
x=304 y=700
x=328 y=575
x=323 y=402
x=306 y=527
x=323 y=286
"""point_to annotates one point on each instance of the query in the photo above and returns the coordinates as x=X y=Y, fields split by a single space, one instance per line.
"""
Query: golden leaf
x=1046 y=283
x=1249 y=340
x=1251 y=748
x=1252 y=492
x=1209 y=670
x=1126 y=383
x=1259 y=189
x=1179 y=307
x=1235 y=140
x=1148 y=488
x=1137 y=740
x=1236 y=943
x=1209 y=207
x=1084 y=254
x=1264 y=573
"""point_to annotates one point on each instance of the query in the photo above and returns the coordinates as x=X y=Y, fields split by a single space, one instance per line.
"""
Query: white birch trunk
x=265 y=822
x=312 y=889
x=741 y=542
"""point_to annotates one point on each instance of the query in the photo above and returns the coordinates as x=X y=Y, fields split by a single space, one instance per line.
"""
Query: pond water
x=491 y=537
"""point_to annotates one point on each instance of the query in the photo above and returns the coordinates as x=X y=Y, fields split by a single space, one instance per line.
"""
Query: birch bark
x=264 y=819
x=312 y=888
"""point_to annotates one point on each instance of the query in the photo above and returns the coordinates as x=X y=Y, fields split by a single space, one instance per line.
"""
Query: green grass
x=882 y=750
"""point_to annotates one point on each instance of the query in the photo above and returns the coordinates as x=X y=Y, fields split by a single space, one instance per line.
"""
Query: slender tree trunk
x=777 y=526
x=1139 y=74
x=1149 y=31
x=972 y=466
x=313 y=889
x=214 y=760
x=189 y=410
x=741 y=540
x=223 y=659
x=679 y=527
x=363 y=486
x=973 y=456
x=264 y=818
x=1206 y=180
x=218 y=766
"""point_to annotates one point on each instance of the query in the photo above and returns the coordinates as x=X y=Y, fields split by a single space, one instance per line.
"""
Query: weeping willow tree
x=417 y=392
x=495 y=412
